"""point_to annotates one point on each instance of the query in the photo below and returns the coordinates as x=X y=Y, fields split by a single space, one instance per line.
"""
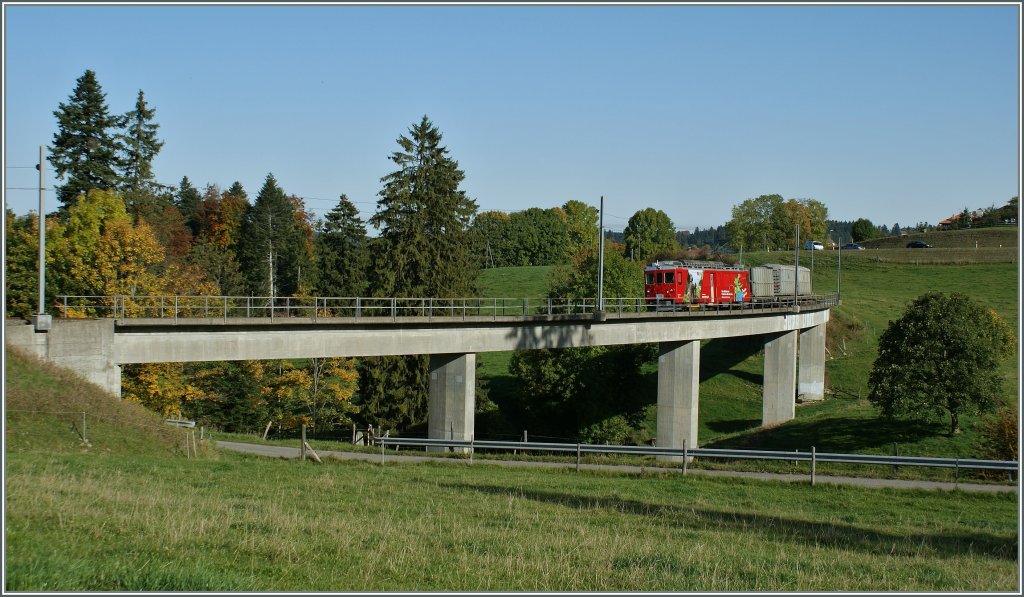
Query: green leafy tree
x=342 y=252
x=493 y=233
x=85 y=149
x=941 y=357
x=863 y=230
x=425 y=249
x=273 y=247
x=539 y=236
x=760 y=224
x=649 y=233
x=581 y=222
x=21 y=275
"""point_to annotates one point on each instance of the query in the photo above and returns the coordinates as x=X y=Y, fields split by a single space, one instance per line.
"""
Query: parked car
x=813 y=245
x=918 y=244
x=852 y=247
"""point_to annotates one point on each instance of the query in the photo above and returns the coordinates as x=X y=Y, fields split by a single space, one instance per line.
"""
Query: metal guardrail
x=811 y=456
x=223 y=308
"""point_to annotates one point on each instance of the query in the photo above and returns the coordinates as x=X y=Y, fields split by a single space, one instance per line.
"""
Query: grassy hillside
x=984 y=238
x=129 y=513
x=45 y=406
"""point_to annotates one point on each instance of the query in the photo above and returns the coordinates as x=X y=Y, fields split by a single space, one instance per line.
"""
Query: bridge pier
x=779 y=398
x=452 y=397
x=811 y=382
x=678 y=393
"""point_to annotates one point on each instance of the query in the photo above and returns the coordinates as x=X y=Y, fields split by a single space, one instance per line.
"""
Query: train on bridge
x=675 y=284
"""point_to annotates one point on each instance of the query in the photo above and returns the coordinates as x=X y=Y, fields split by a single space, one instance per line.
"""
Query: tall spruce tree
x=424 y=250
x=85 y=148
x=187 y=200
x=424 y=218
x=342 y=253
x=139 y=146
x=271 y=248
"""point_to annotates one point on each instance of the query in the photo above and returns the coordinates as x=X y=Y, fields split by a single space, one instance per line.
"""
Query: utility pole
x=41 y=321
x=796 y=269
x=270 y=258
x=600 y=260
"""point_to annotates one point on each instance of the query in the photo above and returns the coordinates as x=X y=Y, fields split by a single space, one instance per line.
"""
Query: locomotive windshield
x=650 y=278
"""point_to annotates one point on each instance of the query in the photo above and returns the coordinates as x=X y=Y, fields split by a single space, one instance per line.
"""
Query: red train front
x=669 y=283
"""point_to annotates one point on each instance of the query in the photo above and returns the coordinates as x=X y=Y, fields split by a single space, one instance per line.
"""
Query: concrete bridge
x=794 y=344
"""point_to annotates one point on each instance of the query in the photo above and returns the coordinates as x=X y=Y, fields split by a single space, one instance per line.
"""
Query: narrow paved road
x=286 y=452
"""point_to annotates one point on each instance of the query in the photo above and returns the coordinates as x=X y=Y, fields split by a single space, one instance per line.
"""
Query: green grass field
x=129 y=512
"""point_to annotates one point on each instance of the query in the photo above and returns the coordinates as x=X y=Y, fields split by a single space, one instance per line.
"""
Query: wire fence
x=227 y=308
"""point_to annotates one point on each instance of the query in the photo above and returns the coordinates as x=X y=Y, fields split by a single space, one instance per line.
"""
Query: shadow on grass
x=719 y=356
x=733 y=425
x=841 y=536
x=834 y=434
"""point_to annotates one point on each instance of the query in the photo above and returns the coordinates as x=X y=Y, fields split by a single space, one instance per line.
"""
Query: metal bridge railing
x=176 y=307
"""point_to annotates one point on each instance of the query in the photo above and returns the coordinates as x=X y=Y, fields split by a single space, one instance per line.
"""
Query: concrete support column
x=779 y=403
x=811 y=372
x=452 y=397
x=678 y=390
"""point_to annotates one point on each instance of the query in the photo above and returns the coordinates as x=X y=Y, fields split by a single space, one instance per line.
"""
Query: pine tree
x=139 y=146
x=425 y=250
x=187 y=199
x=236 y=190
x=342 y=253
x=271 y=247
x=424 y=218
x=85 y=150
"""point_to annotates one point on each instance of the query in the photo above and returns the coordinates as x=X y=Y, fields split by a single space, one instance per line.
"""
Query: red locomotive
x=672 y=283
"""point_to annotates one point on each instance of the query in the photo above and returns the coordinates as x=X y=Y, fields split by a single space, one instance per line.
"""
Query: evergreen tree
x=424 y=218
x=236 y=190
x=271 y=249
x=342 y=253
x=85 y=150
x=424 y=250
x=187 y=199
x=139 y=146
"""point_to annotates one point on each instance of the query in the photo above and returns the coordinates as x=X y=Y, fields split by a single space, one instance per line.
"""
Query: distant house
x=954 y=220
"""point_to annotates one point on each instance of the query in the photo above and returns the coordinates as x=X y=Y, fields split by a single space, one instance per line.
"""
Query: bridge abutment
x=779 y=398
x=678 y=395
x=452 y=397
x=83 y=345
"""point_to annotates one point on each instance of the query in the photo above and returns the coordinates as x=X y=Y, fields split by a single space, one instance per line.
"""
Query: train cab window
x=650 y=278
x=670 y=277
x=659 y=278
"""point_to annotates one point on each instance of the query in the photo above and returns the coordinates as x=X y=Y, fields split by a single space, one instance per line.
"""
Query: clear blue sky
x=895 y=113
